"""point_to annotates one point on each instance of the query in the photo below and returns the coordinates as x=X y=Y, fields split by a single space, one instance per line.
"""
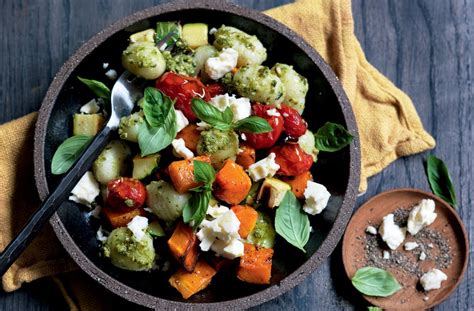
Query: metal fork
x=126 y=90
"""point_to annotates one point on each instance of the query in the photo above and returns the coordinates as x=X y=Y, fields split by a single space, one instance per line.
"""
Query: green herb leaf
x=155 y=106
x=332 y=137
x=155 y=229
x=211 y=115
x=167 y=32
x=440 y=180
x=253 y=124
x=154 y=139
x=376 y=282
x=371 y=308
x=68 y=152
x=291 y=222
x=196 y=208
x=99 y=88
x=203 y=172
x=228 y=115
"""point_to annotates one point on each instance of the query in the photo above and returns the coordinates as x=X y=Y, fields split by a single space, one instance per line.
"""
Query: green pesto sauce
x=142 y=54
x=212 y=141
x=182 y=64
x=263 y=235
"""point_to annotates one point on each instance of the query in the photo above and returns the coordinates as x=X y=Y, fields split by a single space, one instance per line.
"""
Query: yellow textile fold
x=389 y=128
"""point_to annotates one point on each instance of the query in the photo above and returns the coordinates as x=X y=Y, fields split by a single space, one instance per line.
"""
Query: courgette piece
x=155 y=229
x=147 y=35
x=195 y=35
x=272 y=192
x=145 y=166
x=87 y=124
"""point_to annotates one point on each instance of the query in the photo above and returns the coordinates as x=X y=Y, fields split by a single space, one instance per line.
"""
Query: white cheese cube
x=217 y=67
x=217 y=210
x=410 y=246
x=386 y=255
x=421 y=216
x=138 y=225
x=264 y=168
x=91 y=107
x=180 y=149
x=206 y=237
x=181 y=120
x=240 y=107
x=432 y=279
x=230 y=250
x=422 y=256
x=86 y=190
x=392 y=234
x=316 y=198
x=371 y=230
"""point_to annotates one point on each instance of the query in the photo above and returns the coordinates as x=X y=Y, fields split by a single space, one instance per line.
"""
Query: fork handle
x=54 y=200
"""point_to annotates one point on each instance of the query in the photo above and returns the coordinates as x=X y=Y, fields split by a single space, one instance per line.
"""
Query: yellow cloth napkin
x=389 y=128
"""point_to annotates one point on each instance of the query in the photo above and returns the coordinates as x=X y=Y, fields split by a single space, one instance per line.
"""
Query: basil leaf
x=167 y=32
x=155 y=106
x=204 y=172
x=99 y=88
x=196 y=208
x=440 y=180
x=68 y=152
x=376 y=282
x=332 y=137
x=228 y=115
x=253 y=124
x=291 y=222
x=211 y=115
x=154 y=139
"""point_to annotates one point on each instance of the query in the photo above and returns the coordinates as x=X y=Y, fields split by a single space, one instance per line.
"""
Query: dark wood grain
x=424 y=47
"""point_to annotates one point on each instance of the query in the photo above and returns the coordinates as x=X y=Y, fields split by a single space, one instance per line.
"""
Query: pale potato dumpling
x=144 y=59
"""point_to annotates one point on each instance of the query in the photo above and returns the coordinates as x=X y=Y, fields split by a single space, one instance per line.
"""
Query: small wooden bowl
x=447 y=223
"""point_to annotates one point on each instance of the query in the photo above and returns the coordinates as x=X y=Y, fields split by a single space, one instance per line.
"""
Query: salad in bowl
x=211 y=166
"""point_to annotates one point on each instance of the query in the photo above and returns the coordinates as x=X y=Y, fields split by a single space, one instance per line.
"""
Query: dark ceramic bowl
x=326 y=101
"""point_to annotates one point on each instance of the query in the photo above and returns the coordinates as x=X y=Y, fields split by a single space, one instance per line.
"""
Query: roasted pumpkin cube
x=246 y=156
x=189 y=283
x=182 y=173
x=256 y=265
x=248 y=218
x=298 y=183
x=184 y=246
x=232 y=183
x=190 y=134
x=119 y=218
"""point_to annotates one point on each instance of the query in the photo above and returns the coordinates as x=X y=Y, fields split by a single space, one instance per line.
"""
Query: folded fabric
x=389 y=128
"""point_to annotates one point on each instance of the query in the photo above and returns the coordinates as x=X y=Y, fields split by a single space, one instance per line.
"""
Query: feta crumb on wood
x=392 y=234
x=421 y=215
x=410 y=246
x=432 y=279
x=371 y=230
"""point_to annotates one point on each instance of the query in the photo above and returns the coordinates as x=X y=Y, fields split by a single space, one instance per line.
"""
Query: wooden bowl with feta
x=413 y=241
x=216 y=176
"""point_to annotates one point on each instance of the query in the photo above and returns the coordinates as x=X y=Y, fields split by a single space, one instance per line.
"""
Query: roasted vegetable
x=263 y=235
x=147 y=35
x=272 y=192
x=292 y=159
x=182 y=173
x=87 y=124
x=232 y=184
x=248 y=218
x=119 y=218
x=195 y=35
x=219 y=145
x=191 y=136
x=145 y=166
x=256 y=265
x=184 y=246
x=189 y=283
x=125 y=193
x=246 y=156
x=111 y=162
x=298 y=183
x=165 y=202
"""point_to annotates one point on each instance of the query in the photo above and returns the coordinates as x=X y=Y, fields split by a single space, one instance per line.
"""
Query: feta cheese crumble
x=86 y=190
x=101 y=234
x=371 y=230
x=392 y=234
x=240 y=106
x=432 y=279
x=421 y=215
x=181 y=120
x=111 y=74
x=217 y=210
x=217 y=67
x=202 y=126
x=90 y=108
x=409 y=246
x=266 y=167
x=138 y=226
x=181 y=150
x=386 y=255
x=422 y=256
x=316 y=198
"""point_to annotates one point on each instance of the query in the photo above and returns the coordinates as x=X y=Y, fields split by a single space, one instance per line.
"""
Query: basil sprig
x=440 y=180
x=376 y=282
x=100 y=89
x=167 y=32
x=224 y=120
x=291 y=222
x=68 y=152
x=332 y=137
x=159 y=128
x=195 y=210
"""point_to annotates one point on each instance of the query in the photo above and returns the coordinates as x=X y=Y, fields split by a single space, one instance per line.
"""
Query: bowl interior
x=331 y=170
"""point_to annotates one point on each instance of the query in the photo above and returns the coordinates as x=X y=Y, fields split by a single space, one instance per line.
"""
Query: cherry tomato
x=215 y=89
x=293 y=124
x=125 y=193
x=292 y=159
x=182 y=89
x=266 y=140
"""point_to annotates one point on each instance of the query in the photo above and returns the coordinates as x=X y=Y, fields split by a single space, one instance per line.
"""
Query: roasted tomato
x=182 y=89
x=266 y=140
x=125 y=193
x=215 y=89
x=292 y=159
x=293 y=124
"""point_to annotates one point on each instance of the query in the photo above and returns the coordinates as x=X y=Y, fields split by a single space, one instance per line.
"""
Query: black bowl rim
x=147 y=300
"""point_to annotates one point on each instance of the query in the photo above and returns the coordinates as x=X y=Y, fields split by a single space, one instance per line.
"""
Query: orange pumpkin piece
x=119 y=218
x=182 y=173
x=232 y=183
x=256 y=265
x=298 y=183
x=190 y=135
x=246 y=156
x=183 y=245
x=247 y=217
x=189 y=283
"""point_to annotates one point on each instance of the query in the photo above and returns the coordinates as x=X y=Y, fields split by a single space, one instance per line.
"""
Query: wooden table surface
x=425 y=47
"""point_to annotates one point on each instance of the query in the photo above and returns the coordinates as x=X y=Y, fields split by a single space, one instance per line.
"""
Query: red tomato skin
x=293 y=124
x=265 y=140
x=125 y=193
x=215 y=89
x=182 y=89
x=292 y=159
